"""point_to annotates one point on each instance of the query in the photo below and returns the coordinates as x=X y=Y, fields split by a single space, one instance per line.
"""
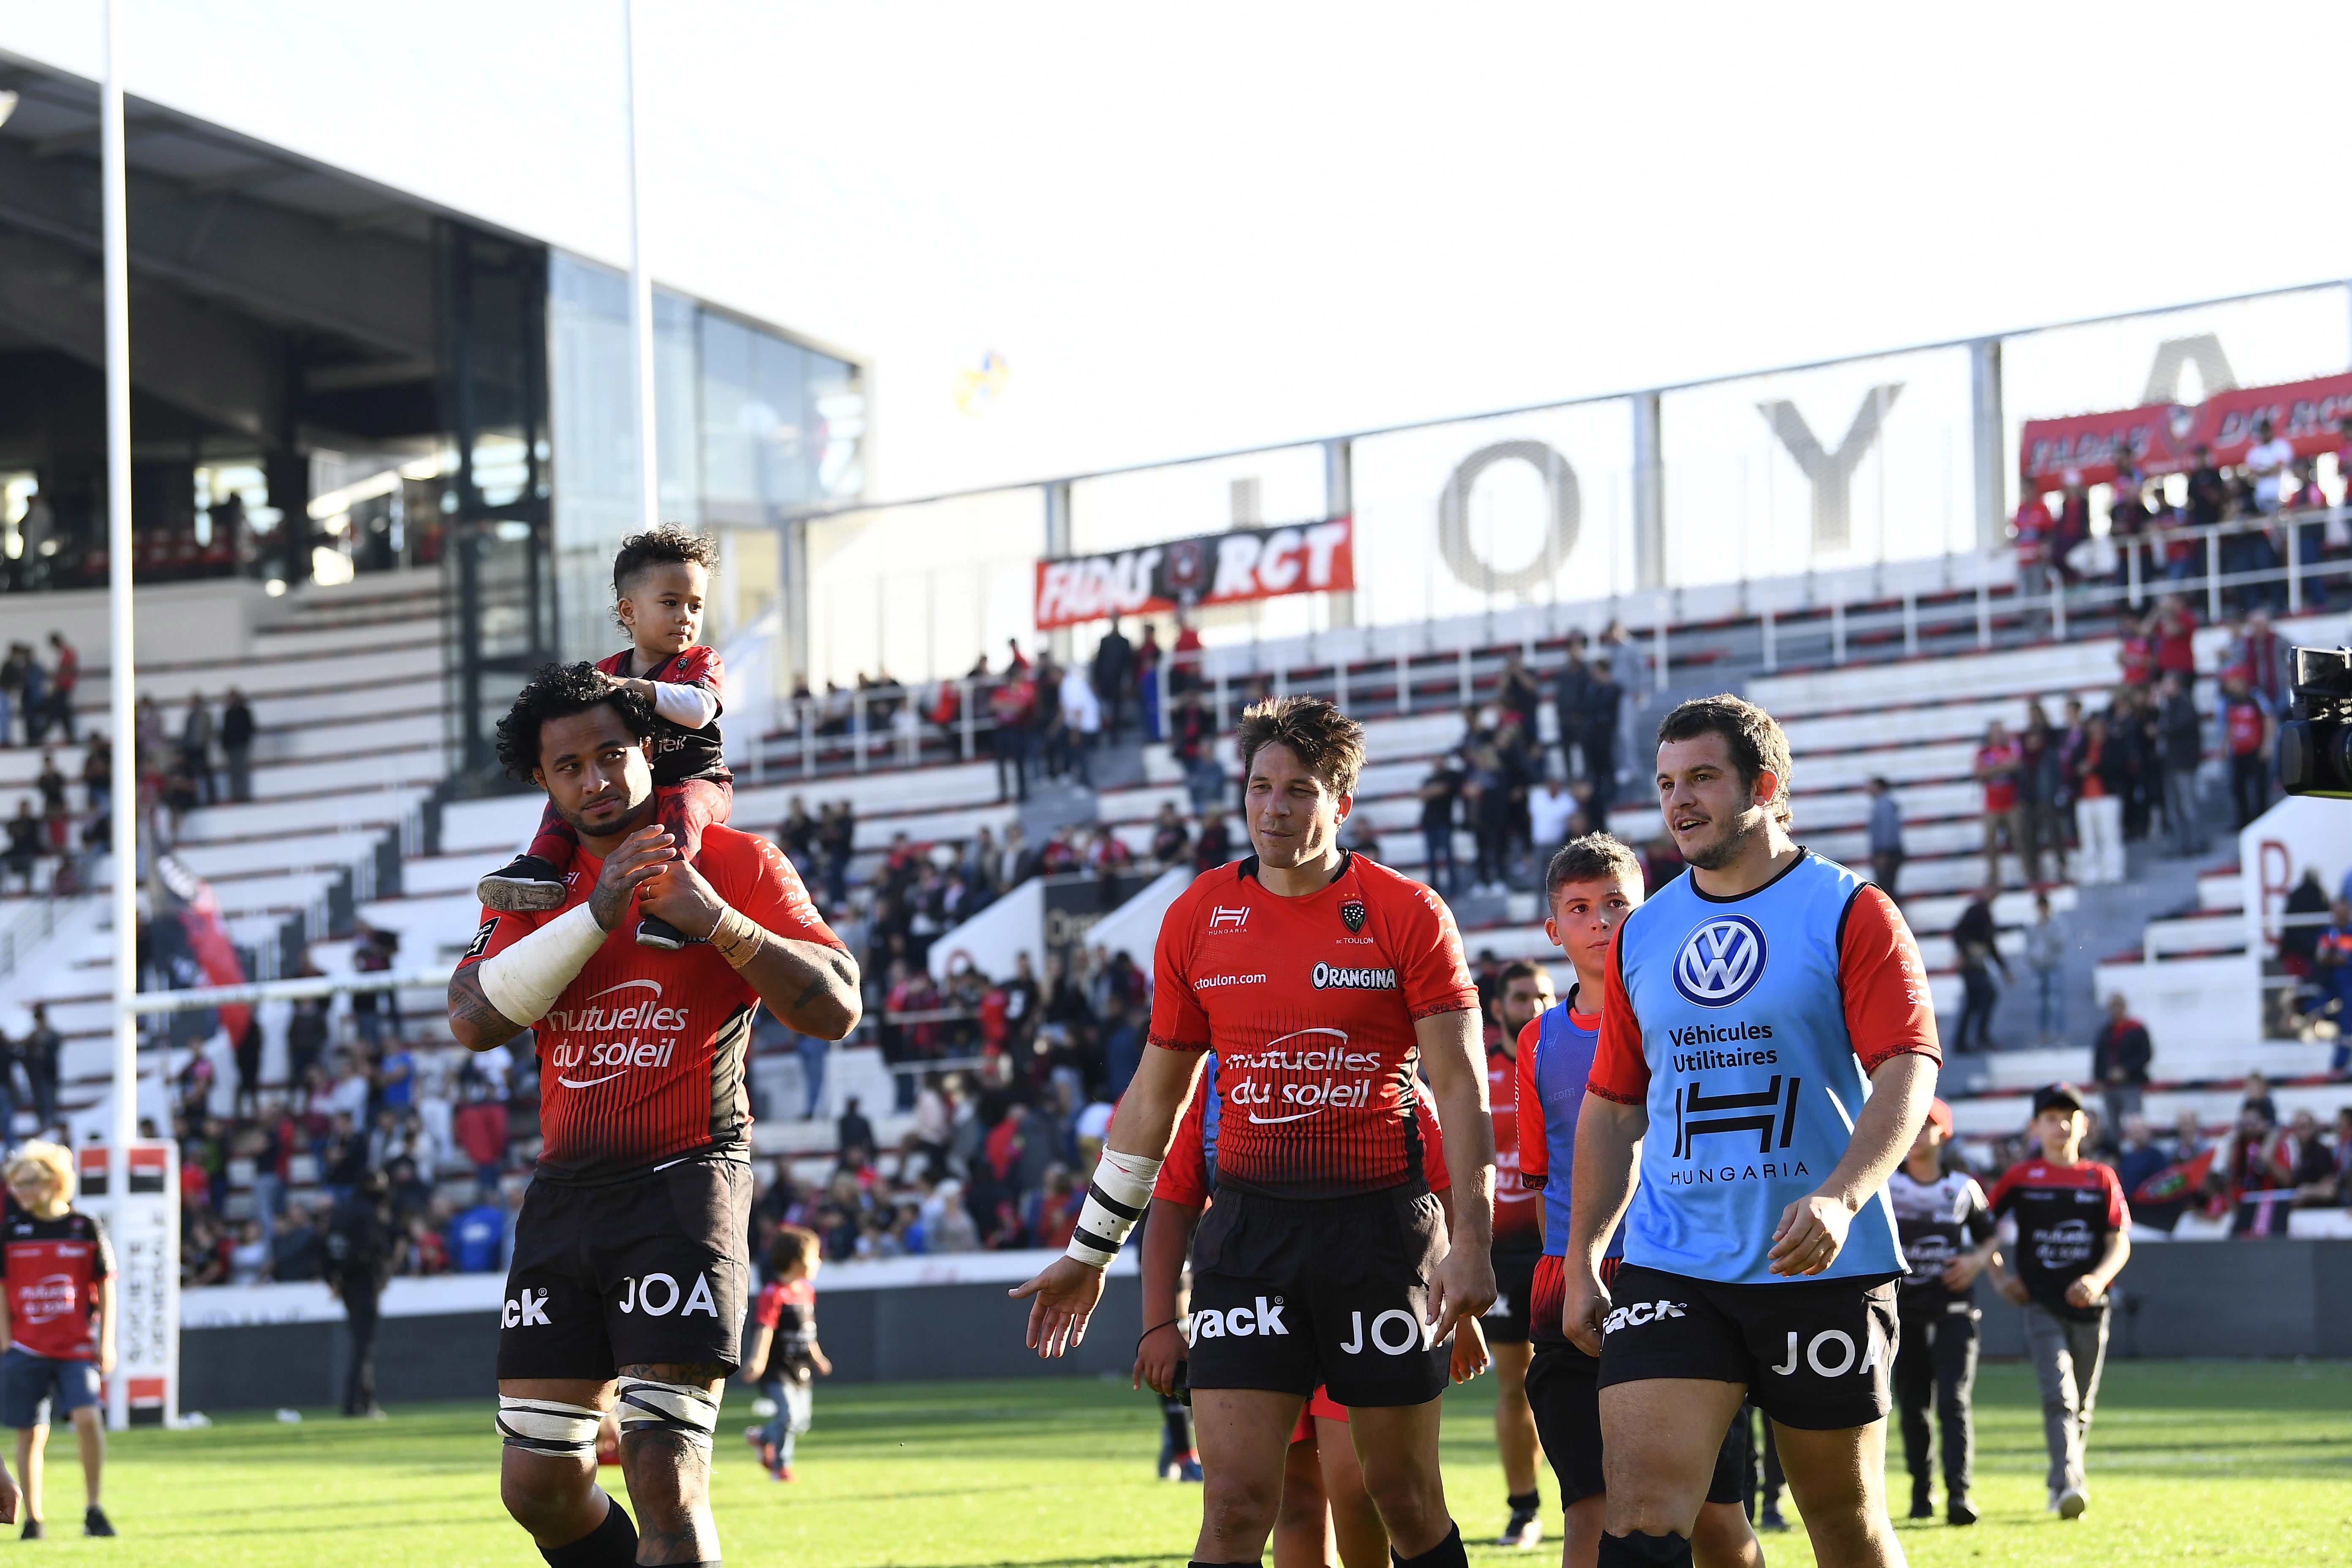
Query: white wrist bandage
x=523 y=982
x=1115 y=1203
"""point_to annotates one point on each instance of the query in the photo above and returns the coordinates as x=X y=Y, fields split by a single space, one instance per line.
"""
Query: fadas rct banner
x=1212 y=569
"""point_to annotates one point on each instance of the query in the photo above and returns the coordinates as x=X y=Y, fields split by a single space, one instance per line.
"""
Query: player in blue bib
x=1591 y=884
x=1767 y=1042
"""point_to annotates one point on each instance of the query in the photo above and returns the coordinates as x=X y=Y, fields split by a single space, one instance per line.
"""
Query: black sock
x=1644 y=1551
x=611 y=1544
x=1526 y=1502
x=1446 y=1553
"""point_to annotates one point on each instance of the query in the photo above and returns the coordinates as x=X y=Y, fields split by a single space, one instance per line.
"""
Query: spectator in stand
x=1438 y=792
x=1147 y=655
x=65 y=675
x=37 y=1052
x=2309 y=1164
x=1553 y=816
x=2099 y=781
x=1997 y=764
x=196 y=747
x=2041 y=788
x=2255 y=1180
x=2045 y=954
x=1604 y=702
x=479 y=1127
x=236 y=733
x=35 y=700
x=2246 y=728
x=1113 y=677
x=1978 y=944
x=23 y=852
x=2073 y=531
x=2140 y=1158
x=2208 y=505
x=2033 y=530
x=2327 y=995
x=2182 y=738
x=2175 y=630
x=1571 y=698
x=1172 y=841
x=2132 y=721
x=2119 y=1060
x=1885 y=836
x=1214 y=848
x=1011 y=709
x=12 y=691
x=1516 y=693
x=1081 y=726
x=2261 y=655
x=1191 y=739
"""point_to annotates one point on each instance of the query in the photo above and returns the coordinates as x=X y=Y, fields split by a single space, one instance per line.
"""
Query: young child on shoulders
x=661 y=579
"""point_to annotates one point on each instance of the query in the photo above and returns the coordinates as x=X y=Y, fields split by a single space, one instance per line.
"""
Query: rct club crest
x=1351 y=913
x=1720 y=961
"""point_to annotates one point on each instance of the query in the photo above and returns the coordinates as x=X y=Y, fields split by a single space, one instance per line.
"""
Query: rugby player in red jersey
x=1323 y=982
x=1518 y=1242
x=631 y=1261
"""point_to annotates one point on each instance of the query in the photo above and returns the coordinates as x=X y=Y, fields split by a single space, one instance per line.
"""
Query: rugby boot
x=95 y=1522
x=654 y=931
x=524 y=884
x=32 y=1530
x=1923 y=1506
x=1524 y=1531
x=1960 y=1510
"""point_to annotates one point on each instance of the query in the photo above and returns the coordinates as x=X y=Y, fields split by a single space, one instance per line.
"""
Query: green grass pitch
x=2205 y=1462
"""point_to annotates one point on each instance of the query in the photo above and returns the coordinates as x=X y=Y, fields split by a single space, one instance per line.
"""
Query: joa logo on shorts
x=1720 y=961
x=1239 y=1322
x=1635 y=1314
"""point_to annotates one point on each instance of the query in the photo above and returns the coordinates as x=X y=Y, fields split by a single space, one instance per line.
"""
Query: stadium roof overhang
x=274 y=301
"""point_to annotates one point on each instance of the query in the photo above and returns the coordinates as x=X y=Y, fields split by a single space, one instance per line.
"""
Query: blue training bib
x=1753 y=1084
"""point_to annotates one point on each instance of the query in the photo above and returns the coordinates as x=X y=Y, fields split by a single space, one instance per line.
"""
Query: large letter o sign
x=1562 y=500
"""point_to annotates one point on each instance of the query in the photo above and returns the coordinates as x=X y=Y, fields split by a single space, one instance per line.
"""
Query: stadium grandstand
x=2028 y=630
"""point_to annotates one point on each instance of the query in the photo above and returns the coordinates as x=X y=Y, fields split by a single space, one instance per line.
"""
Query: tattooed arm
x=473 y=1022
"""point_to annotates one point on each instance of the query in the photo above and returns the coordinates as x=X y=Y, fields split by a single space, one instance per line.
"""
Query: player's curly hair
x=1327 y=743
x=1590 y=857
x=667 y=546
x=1753 y=738
x=557 y=691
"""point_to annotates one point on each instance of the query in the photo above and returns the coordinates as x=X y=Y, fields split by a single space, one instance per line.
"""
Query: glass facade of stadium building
x=333 y=382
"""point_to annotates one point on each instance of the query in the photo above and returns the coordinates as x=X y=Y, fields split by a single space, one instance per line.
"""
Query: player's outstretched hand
x=678 y=893
x=641 y=855
x=1810 y=1235
x=1462 y=1288
x=1584 y=1302
x=2013 y=1289
x=7 y=1497
x=1066 y=1294
x=1470 y=1353
x=1157 y=1356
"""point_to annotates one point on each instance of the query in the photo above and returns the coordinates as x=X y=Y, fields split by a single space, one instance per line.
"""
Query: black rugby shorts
x=1289 y=1294
x=1817 y=1354
x=1506 y=1322
x=1564 y=1392
x=654 y=1268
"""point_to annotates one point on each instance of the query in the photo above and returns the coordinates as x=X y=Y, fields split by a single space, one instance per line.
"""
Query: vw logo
x=1720 y=961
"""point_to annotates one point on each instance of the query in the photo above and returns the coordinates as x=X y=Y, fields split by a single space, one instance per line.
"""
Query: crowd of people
x=437 y=1136
x=2159 y=520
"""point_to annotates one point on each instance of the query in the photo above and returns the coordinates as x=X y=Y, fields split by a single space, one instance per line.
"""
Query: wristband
x=1116 y=1200
x=523 y=982
x=739 y=938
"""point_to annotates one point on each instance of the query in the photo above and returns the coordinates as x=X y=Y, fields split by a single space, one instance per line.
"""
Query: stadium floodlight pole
x=641 y=288
x=114 y=220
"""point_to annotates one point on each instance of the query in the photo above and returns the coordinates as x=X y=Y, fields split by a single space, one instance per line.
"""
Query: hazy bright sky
x=1191 y=228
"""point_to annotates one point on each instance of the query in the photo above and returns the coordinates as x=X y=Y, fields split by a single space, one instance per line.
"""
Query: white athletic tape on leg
x=523 y=982
x=1116 y=1200
x=549 y=1426
x=681 y=1407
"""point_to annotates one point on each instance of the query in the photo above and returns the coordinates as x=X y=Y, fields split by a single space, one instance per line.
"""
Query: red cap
x=1941 y=1115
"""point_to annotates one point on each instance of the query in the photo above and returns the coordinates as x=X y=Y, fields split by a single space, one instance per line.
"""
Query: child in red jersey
x=785 y=1352
x=660 y=580
x=56 y=1325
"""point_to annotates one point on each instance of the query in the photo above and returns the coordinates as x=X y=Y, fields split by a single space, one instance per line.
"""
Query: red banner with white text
x=1211 y=569
x=2163 y=438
